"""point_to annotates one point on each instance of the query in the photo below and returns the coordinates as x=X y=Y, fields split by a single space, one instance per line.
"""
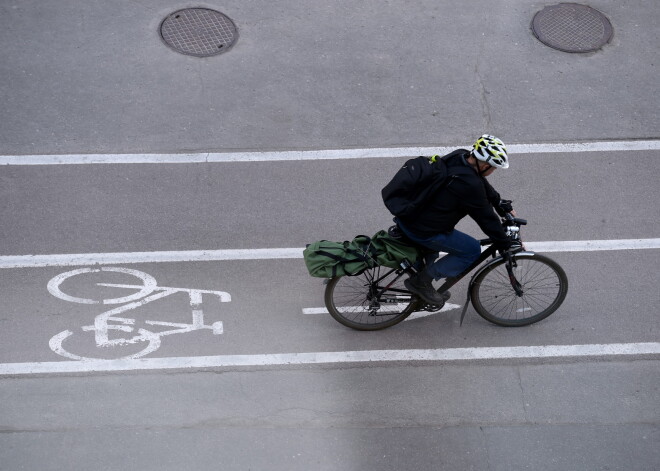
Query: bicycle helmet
x=491 y=150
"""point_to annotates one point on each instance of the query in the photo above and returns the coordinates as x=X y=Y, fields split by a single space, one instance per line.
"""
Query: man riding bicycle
x=466 y=194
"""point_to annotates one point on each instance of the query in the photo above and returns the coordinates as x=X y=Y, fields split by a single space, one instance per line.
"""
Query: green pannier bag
x=390 y=251
x=327 y=259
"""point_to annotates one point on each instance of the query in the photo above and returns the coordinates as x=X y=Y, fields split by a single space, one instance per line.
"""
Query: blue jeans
x=462 y=250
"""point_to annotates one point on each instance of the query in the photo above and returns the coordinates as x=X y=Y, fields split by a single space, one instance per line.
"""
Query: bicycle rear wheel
x=373 y=300
x=544 y=285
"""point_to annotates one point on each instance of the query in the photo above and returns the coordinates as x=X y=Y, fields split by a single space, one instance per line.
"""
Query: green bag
x=390 y=252
x=327 y=259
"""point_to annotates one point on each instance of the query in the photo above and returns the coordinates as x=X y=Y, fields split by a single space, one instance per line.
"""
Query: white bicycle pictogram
x=108 y=321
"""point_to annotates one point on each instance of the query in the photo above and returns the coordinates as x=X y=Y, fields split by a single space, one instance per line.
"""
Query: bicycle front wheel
x=544 y=285
x=373 y=300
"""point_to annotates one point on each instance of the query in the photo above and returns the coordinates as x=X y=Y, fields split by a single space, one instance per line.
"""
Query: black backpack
x=413 y=185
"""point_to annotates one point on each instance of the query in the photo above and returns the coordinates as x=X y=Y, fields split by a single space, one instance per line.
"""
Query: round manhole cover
x=571 y=27
x=199 y=32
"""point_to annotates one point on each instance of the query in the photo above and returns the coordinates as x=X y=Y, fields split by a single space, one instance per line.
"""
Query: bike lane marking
x=146 y=292
x=228 y=360
x=320 y=358
x=65 y=260
x=322 y=154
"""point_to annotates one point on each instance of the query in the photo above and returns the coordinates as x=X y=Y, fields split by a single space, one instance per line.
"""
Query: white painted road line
x=65 y=260
x=592 y=245
x=275 y=156
x=414 y=315
x=317 y=358
x=71 y=260
x=315 y=310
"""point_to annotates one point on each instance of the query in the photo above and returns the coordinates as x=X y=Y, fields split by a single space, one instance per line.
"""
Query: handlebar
x=516 y=221
x=512 y=227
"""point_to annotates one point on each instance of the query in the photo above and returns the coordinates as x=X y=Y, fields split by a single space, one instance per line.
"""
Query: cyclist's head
x=491 y=150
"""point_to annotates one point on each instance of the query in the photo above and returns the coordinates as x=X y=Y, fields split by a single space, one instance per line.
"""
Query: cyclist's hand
x=504 y=207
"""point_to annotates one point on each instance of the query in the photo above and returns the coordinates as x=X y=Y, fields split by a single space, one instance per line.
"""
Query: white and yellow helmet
x=491 y=150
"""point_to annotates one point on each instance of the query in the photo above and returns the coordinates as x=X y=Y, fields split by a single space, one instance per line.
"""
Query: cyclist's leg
x=422 y=283
x=462 y=250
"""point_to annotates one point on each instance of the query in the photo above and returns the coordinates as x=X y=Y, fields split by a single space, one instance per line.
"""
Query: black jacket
x=467 y=194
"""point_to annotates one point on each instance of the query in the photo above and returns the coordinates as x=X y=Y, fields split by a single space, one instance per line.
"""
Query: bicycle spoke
x=544 y=288
x=363 y=302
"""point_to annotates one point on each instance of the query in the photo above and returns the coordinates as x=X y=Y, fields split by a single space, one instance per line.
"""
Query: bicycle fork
x=510 y=263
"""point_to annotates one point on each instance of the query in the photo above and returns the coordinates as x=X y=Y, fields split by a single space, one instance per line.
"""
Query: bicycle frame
x=489 y=252
x=449 y=282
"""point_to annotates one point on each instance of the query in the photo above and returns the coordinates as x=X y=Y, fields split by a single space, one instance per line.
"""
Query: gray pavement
x=125 y=208
x=266 y=316
x=399 y=417
x=95 y=77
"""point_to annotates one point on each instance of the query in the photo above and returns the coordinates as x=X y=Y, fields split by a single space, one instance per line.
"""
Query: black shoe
x=422 y=287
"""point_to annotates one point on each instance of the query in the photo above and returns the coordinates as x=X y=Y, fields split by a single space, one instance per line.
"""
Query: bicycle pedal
x=429 y=307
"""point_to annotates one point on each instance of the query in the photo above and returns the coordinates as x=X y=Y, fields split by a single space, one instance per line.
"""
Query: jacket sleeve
x=479 y=207
x=491 y=194
x=494 y=198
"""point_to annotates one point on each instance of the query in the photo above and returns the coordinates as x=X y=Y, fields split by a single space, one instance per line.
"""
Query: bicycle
x=515 y=289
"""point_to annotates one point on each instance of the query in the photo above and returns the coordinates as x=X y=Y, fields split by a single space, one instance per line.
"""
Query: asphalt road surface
x=228 y=361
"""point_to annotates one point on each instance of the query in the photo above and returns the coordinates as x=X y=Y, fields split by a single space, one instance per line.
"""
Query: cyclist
x=465 y=195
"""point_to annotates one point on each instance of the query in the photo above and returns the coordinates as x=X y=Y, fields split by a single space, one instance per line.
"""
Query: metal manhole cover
x=199 y=32
x=571 y=27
